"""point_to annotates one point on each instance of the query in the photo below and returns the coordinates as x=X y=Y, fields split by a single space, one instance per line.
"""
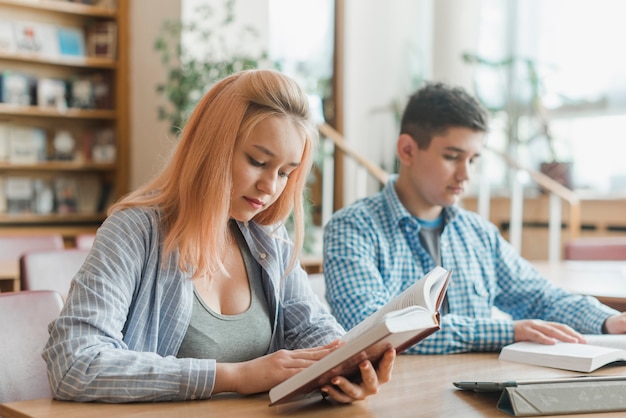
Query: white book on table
x=599 y=351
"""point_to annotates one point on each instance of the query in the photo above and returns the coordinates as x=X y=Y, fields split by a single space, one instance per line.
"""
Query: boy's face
x=437 y=176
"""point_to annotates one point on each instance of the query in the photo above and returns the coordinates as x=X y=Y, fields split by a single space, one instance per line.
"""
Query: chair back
x=13 y=246
x=24 y=332
x=596 y=249
x=84 y=241
x=50 y=269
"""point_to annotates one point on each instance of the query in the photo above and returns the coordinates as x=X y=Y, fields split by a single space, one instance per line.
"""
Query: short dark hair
x=434 y=108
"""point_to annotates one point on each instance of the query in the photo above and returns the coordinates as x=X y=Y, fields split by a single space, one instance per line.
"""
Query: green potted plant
x=198 y=53
x=527 y=122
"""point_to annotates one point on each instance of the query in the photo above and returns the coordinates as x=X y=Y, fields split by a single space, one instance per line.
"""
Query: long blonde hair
x=192 y=191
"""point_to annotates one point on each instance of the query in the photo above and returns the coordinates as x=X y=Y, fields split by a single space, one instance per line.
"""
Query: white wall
x=386 y=45
x=150 y=142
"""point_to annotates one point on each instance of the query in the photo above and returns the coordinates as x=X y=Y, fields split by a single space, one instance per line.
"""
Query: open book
x=410 y=317
x=599 y=351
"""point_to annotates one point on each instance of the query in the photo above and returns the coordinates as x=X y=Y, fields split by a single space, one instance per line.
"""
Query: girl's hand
x=263 y=373
x=344 y=391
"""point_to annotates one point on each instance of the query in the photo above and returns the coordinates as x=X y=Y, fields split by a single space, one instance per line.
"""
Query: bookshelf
x=80 y=164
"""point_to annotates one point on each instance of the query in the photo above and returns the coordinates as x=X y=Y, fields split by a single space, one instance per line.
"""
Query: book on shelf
x=43 y=202
x=66 y=195
x=52 y=92
x=600 y=351
x=27 y=145
x=89 y=193
x=404 y=321
x=3 y=197
x=17 y=88
x=64 y=146
x=102 y=39
x=91 y=92
x=103 y=147
x=19 y=193
x=71 y=41
x=7 y=38
x=5 y=138
x=36 y=38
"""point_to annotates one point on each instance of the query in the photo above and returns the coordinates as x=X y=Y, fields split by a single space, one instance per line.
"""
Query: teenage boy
x=379 y=245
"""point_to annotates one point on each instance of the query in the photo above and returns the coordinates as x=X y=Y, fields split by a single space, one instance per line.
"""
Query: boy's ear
x=406 y=148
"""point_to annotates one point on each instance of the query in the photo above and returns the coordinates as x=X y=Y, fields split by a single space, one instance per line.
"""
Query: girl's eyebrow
x=268 y=152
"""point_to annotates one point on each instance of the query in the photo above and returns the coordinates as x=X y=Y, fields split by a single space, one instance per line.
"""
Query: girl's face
x=262 y=163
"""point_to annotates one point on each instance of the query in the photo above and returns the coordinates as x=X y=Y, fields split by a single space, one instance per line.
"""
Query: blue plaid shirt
x=372 y=252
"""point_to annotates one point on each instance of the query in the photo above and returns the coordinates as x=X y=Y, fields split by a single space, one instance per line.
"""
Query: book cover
x=7 y=38
x=81 y=93
x=103 y=148
x=89 y=192
x=27 y=145
x=36 y=38
x=71 y=41
x=66 y=195
x=19 y=194
x=3 y=197
x=102 y=39
x=51 y=92
x=43 y=196
x=17 y=88
x=409 y=318
x=5 y=132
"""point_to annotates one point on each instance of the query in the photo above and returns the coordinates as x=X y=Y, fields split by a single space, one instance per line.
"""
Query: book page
x=422 y=293
x=607 y=340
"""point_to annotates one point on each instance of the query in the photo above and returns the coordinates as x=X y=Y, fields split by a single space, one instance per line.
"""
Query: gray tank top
x=230 y=338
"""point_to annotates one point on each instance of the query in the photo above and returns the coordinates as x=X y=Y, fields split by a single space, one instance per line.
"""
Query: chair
x=596 y=249
x=50 y=269
x=24 y=332
x=84 y=241
x=13 y=246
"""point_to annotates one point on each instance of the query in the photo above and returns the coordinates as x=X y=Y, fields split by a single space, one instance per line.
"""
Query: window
x=576 y=48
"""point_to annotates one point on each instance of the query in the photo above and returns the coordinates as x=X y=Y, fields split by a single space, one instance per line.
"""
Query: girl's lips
x=255 y=203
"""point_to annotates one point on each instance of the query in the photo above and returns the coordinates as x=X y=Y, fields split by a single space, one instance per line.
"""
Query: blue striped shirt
x=372 y=252
x=129 y=306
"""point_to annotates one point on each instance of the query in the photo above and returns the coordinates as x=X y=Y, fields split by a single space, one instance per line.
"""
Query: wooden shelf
x=52 y=112
x=58 y=166
x=63 y=61
x=56 y=218
x=62 y=7
x=83 y=124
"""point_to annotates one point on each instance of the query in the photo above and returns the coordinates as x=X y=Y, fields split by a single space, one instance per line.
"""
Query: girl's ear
x=407 y=148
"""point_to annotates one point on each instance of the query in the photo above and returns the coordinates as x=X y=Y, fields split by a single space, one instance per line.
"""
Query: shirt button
x=263 y=256
x=193 y=397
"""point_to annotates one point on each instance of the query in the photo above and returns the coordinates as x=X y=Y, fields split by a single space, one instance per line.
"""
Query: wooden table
x=605 y=280
x=421 y=387
x=9 y=276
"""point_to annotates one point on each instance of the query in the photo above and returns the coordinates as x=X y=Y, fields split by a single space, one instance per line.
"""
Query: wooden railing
x=557 y=192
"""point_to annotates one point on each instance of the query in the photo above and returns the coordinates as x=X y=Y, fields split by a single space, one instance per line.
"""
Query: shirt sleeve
x=94 y=354
x=355 y=288
x=531 y=295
